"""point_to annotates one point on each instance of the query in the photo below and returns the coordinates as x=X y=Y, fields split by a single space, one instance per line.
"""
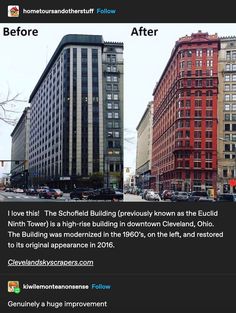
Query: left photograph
x=67 y=140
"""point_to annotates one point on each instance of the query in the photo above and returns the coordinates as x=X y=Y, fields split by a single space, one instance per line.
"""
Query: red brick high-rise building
x=184 y=154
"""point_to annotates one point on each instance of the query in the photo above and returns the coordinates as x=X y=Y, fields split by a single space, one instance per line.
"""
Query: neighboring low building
x=144 y=148
x=20 y=151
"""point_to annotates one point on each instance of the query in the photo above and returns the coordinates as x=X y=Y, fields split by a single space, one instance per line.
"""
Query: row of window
x=230 y=87
x=198 y=73
x=184 y=164
x=197 y=123
x=230 y=67
x=197 y=113
x=112 y=96
x=114 y=87
x=199 y=53
x=229 y=78
x=230 y=127
x=198 y=63
x=112 y=78
x=197 y=144
x=231 y=55
x=230 y=107
x=231 y=137
x=112 y=105
x=230 y=117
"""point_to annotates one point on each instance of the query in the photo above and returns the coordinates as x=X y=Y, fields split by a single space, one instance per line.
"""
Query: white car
x=18 y=190
x=153 y=196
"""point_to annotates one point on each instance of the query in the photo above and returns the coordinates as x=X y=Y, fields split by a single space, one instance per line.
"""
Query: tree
x=7 y=108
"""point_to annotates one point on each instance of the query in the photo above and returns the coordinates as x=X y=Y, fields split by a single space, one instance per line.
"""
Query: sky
x=23 y=60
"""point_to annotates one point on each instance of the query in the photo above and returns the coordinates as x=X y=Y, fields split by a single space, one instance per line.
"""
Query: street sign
x=64 y=178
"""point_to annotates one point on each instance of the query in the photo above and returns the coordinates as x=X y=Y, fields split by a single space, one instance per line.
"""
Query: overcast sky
x=23 y=60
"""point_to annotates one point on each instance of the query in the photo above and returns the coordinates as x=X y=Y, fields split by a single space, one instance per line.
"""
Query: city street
x=130 y=197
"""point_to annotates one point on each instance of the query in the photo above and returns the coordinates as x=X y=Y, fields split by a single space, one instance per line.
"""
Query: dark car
x=31 y=192
x=229 y=197
x=57 y=193
x=106 y=194
x=81 y=193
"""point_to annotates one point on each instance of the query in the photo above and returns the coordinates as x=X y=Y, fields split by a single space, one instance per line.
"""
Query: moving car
x=46 y=193
x=179 y=196
x=31 y=192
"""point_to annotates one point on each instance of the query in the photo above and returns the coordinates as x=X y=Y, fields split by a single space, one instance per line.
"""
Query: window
x=234 y=97
x=209 y=103
x=197 y=123
x=209 y=93
x=233 y=127
x=233 y=117
x=189 y=83
x=233 y=107
x=115 y=106
x=208 y=134
x=234 y=55
x=197 y=164
x=227 y=136
x=228 y=55
x=199 y=52
x=233 y=137
x=116 y=115
x=197 y=144
x=208 y=164
x=116 y=96
x=227 y=156
x=208 y=155
x=209 y=72
x=233 y=77
x=116 y=134
x=198 y=72
x=209 y=113
x=225 y=173
x=198 y=103
x=109 y=105
x=189 y=73
x=227 y=147
x=109 y=115
x=198 y=63
x=227 y=87
x=227 y=97
x=209 y=63
x=115 y=87
x=233 y=87
x=181 y=64
x=209 y=124
x=108 y=87
x=109 y=135
x=108 y=78
x=234 y=67
x=209 y=82
x=198 y=83
x=208 y=145
x=227 y=67
x=227 y=78
x=109 y=96
x=227 y=127
x=197 y=155
x=209 y=52
x=227 y=107
x=197 y=134
x=188 y=103
x=198 y=113
x=198 y=93
x=189 y=64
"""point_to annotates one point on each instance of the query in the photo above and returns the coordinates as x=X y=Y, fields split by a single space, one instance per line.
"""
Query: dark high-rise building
x=184 y=154
x=68 y=125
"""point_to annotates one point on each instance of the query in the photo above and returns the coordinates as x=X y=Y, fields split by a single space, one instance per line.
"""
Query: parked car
x=179 y=196
x=57 y=193
x=9 y=190
x=153 y=196
x=199 y=196
x=81 y=193
x=31 y=192
x=146 y=191
x=105 y=194
x=229 y=197
x=167 y=194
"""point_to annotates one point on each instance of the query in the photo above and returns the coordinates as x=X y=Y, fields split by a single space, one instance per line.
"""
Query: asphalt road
x=22 y=197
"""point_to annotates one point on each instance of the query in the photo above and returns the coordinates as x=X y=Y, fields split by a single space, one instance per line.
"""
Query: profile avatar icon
x=13 y=11
x=13 y=286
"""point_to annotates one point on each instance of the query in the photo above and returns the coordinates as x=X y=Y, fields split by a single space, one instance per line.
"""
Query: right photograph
x=186 y=136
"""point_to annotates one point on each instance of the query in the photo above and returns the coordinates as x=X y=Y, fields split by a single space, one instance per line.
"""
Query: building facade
x=67 y=128
x=113 y=113
x=20 y=151
x=227 y=113
x=184 y=152
x=144 y=148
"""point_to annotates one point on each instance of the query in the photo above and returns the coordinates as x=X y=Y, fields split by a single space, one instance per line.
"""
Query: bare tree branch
x=7 y=111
